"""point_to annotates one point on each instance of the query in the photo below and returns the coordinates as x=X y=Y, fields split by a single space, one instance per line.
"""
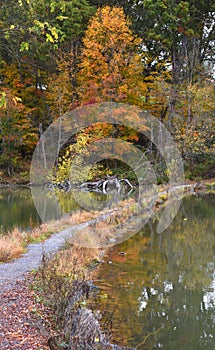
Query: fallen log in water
x=103 y=185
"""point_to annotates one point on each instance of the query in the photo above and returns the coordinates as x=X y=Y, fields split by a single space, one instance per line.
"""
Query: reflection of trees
x=159 y=286
x=71 y=201
x=188 y=252
x=17 y=208
x=53 y=204
x=66 y=201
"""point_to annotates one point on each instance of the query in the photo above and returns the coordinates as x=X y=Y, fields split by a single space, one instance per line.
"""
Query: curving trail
x=16 y=270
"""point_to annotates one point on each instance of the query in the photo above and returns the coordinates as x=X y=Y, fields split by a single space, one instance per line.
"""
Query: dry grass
x=63 y=283
x=76 y=256
x=14 y=243
x=11 y=246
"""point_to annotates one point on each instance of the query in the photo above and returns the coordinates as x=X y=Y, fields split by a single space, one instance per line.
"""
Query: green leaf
x=24 y=46
x=52 y=6
x=63 y=6
x=49 y=38
x=61 y=18
x=39 y=24
x=3 y=101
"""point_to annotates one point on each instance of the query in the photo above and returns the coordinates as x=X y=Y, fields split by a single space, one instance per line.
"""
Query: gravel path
x=16 y=270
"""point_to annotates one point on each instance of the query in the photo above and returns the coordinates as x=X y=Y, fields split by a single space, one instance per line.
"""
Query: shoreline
x=21 y=240
x=5 y=184
x=52 y=238
x=21 y=292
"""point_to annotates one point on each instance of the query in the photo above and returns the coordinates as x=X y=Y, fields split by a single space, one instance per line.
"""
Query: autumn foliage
x=58 y=55
x=110 y=62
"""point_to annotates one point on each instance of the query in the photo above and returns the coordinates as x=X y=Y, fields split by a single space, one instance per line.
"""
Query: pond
x=17 y=207
x=158 y=290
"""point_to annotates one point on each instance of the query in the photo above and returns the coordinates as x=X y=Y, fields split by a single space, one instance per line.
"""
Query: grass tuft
x=11 y=246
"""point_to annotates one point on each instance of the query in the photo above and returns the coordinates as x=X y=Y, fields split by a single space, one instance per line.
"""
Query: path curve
x=16 y=270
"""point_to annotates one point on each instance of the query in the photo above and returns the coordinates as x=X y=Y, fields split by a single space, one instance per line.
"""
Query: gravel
x=16 y=270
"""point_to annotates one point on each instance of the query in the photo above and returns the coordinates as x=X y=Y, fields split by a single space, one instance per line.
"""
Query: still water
x=158 y=290
x=17 y=207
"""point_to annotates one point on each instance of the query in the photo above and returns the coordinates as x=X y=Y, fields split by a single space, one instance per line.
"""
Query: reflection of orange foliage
x=119 y=258
x=132 y=251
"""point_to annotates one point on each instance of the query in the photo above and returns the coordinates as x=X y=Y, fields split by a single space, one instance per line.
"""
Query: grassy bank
x=64 y=284
x=14 y=243
x=19 y=177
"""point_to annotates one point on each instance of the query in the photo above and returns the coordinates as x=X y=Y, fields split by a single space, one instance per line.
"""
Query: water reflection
x=161 y=288
x=17 y=209
x=208 y=301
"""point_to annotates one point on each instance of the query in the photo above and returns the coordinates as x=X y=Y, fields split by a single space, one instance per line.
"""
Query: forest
x=59 y=55
x=126 y=266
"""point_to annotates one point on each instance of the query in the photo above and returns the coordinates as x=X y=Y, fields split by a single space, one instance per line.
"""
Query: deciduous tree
x=110 y=64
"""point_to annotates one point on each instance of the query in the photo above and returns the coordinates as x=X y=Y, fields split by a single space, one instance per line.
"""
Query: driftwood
x=82 y=330
x=104 y=185
x=88 y=334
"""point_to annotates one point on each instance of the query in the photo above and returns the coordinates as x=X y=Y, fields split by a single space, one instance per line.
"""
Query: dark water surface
x=17 y=207
x=159 y=289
